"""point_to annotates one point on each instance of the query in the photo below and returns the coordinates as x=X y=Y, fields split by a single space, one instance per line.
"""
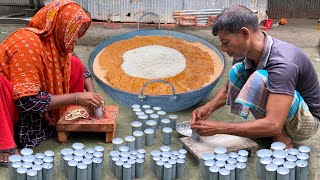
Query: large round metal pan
x=169 y=103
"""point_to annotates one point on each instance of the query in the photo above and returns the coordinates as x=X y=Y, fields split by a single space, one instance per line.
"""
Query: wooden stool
x=107 y=123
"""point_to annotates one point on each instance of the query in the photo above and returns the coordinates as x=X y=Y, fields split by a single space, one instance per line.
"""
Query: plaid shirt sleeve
x=34 y=104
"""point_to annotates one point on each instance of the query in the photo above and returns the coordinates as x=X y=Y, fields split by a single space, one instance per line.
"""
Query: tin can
x=77 y=146
x=82 y=171
x=88 y=162
x=180 y=168
x=165 y=123
x=139 y=168
x=32 y=175
x=12 y=159
x=137 y=114
x=302 y=170
x=159 y=169
x=167 y=171
x=47 y=171
x=21 y=173
x=292 y=169
x=96 y=168
x=72 y=170
x=14 y=167
x=113 y=164
x=166 y=135
x=162 y=115
x=241 y=171
x=207 y=165
x=271 y=171
x=153 y=163
x=126 y=171
x=136 y=126
x=214 y=172
x=173 y=119
x=63 y=152
x=232 y=169
x=116 y=143
x=149 y=137
x=155 y=117
x=224 y=174
x=143 y=119
x=152 y=124
x=38 y=168
x=220 y=150
x=123 y=149
x=260 y=154
x=264 y=162
x=282 y=173
x=205 y=157
x=130 y=142
x=132 y=162
x=278 y=146
x=139 y=139
x=174 y=168
x=49 y=153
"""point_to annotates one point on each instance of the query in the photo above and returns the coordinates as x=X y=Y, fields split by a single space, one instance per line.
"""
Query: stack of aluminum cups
x=79 y=163
x=282 y=164
x=127 y=164
x=168 y=164
x=222 y=166
x=29 y=166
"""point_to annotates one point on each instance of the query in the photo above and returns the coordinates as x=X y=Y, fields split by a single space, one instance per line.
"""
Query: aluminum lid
x=230 y=167
x=278 y=161
x=220 y=150
x=207 y=156
x=291 y=158
x=65 y=151
x=151 y=123
x=139 y=113
x=220 y=163
x=81 y=166
x=214 y=169
x=27 y=165
x=165 y=148
x=90 y=150
x=18 y=164
x=167 y=154
x=22 y=170
x=181 y=161
x=161 y=113
x=72 y=163
x=115 y=158
x=280 y=154
x=303 y=156
x=14 y=158
x=49 y=153
x=173 y=117
x=79 y=152
x=304 y=149
x=224 y=172
x=289 y=164
x=134 y=152
x=31 y=172
x=174 y=157
x=233 y=155
x=140 y=156
x=293 y=151
x=222 y=157
x=242 y=159
x=68 y=157
x=135 y=106
x=182 y=156
x=114 y=153
x=183 y=151
x=271 y=167
x=49 y=165
x=136 y=110
x=126 y=165
x=141 y=151
x=283 y=170
x=240 y=165
x=154 y=116
x=98 y=154
x=28 y=158
x=40 y=155
x=160 y=163
x=146 y=106
x=133 y=157
x=139 y=160
x=209 y=162
x=232 y=161
x=47 y=159
x=119 y=163
x=99 y=148
x=278 y=146
x=172 y=161
x=123 y=148
x=266 y=160
x=87 y=161
x=143 y=117
x=77 y=146
x=243 y=153
x=164 y=159
x=156 y=108
x=38 y=161
x=175 y=152
x=129 y=138
x=125 y=154
x=167 y=165
x=155 y=153
x=97 y=160
x=149 y=131
x=156 y=158
x=119 y=140
x=149 y=111
x=167 y=130
x=131 y=161
x=78 y=158
x=301 y=163
x=26 y=151
x=264 y=153
x=37 y=167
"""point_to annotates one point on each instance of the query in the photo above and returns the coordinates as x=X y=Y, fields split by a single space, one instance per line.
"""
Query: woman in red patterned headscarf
x=39 y=77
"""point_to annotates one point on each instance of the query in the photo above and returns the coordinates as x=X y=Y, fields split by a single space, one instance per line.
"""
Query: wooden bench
x=107 y=123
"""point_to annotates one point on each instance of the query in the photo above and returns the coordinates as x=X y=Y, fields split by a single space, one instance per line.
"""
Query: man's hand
x=204 y=128
x=200 y=114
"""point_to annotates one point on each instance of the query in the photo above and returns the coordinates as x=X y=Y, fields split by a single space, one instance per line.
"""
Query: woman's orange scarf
x=37 y=58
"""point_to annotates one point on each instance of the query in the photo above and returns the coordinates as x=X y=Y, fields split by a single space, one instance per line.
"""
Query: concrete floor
x=301 y=32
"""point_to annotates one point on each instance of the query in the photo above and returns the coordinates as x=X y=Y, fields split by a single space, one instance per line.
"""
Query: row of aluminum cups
x=127 y=164
x=220 y=165
x=39 y=166
x=167 y=164
x=279 y=163
x=148 y=116
x=80 y=163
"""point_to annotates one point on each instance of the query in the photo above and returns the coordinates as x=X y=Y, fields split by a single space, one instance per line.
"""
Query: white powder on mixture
x=153 y=62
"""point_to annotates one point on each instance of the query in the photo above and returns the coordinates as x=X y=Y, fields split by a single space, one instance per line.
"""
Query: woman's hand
x=89 y=99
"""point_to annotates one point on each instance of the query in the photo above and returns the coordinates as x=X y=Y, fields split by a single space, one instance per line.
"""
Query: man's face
x=234 y=44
